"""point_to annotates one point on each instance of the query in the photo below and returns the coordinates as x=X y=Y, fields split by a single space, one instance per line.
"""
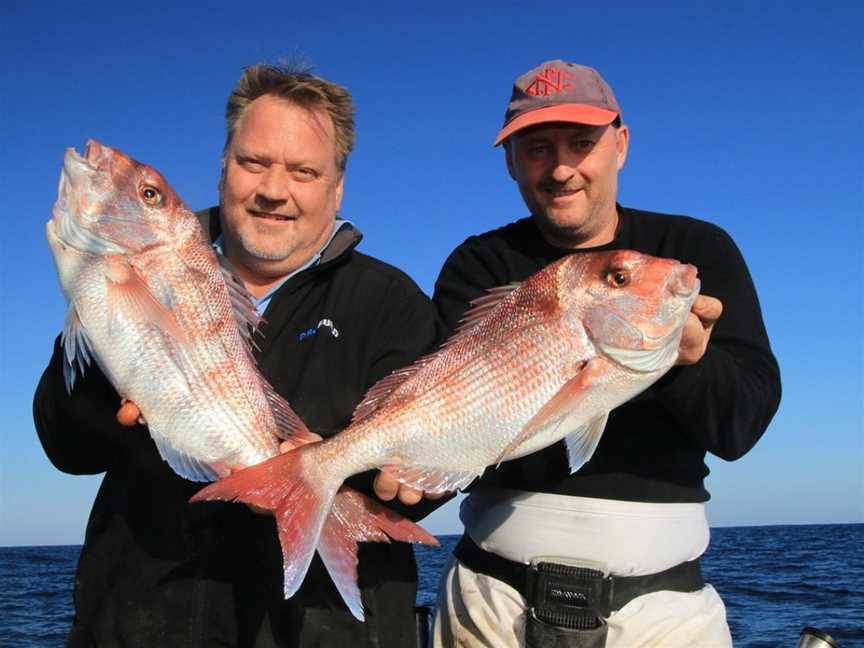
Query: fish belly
x=201 y=396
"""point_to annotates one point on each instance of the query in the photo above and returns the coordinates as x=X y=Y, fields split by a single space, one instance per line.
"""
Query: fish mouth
x=76 y=211
x=684 y=282
x=684 y=287
x=78 y=169
x=644 y=361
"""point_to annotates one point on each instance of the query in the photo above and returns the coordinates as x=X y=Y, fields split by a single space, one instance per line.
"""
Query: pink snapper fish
x=172 y=330
x=532 y=364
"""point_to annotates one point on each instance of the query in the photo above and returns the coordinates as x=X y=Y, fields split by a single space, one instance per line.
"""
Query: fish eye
x=618 y=278
x=151 y=195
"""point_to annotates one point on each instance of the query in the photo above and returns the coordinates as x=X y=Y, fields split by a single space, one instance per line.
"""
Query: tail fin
x=310 y=516
x=358 y=518
x=300 y=507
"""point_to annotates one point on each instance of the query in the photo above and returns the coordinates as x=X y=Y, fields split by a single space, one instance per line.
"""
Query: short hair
x=299 y=86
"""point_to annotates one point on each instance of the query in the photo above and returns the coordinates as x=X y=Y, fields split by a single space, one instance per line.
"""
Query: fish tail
x=300 y=506
x=314 y=515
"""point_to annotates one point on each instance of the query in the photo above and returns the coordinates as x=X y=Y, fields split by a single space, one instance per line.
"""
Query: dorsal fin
x=245 y=313
x=289 y=427
x=478 y=309
x=381 y=390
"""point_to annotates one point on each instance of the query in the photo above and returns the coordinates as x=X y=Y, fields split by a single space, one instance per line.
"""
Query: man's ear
x=622 y=143
x=508 y=157
x=340 y=190
x=221 y=183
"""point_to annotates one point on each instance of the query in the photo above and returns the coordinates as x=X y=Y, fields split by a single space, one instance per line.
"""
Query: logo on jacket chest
x=325 y=324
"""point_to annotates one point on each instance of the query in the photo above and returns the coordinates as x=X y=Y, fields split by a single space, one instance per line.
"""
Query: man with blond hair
x=157 y=571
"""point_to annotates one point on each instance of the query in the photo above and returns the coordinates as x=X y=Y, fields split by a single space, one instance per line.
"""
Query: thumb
x=707 y=309
x=128 y=414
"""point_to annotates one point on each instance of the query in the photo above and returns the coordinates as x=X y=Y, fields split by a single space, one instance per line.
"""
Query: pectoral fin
x=563 y=413
x=129 y=293
x=582 y=441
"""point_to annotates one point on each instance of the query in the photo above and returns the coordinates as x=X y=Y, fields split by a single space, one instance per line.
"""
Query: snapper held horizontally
x=532 y=364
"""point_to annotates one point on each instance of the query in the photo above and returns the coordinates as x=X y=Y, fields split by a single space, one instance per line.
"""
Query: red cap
x=557 y=91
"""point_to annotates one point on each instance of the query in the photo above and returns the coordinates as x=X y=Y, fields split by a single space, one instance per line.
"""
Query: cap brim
x=574 y=113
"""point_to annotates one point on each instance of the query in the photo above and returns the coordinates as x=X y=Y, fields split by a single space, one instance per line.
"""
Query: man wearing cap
x=610 y=554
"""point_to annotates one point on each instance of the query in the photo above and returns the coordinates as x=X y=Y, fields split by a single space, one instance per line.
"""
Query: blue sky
x=742 y=113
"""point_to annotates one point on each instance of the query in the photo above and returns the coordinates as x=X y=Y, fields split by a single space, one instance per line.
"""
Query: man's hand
x=129 y=414
x=387 y=487
x=697 y=329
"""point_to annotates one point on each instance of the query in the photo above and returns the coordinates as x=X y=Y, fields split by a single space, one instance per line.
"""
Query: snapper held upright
x=172 y=330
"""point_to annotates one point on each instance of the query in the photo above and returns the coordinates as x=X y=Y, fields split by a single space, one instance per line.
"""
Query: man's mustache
x=551 y=186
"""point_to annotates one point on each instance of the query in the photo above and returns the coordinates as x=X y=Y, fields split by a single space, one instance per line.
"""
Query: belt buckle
x=578 y=587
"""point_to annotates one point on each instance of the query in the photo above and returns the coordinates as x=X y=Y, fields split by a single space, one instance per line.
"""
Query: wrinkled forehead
x=260 y=116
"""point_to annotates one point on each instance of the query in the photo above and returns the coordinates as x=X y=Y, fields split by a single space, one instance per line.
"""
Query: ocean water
x=774 y=580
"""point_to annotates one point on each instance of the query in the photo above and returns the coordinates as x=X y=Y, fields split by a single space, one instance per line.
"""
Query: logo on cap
x=549 y=82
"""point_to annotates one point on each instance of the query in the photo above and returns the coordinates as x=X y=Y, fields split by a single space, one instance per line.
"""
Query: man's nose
x=274 y=185
x=564 y=164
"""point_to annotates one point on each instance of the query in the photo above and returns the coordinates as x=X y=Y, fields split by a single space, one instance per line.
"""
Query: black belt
x=579 y=587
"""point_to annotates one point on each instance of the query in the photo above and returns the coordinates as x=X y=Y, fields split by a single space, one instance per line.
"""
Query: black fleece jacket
x=157 y=571
x=654 y=446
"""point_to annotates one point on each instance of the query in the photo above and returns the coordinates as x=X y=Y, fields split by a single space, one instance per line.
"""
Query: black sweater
x=157 y=571
x=654 y=446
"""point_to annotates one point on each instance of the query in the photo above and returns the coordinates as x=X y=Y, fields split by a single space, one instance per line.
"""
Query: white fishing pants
x=629 y=538
x=478 y=611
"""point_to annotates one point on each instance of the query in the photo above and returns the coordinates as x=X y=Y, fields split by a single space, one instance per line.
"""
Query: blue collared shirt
x=261 y=304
